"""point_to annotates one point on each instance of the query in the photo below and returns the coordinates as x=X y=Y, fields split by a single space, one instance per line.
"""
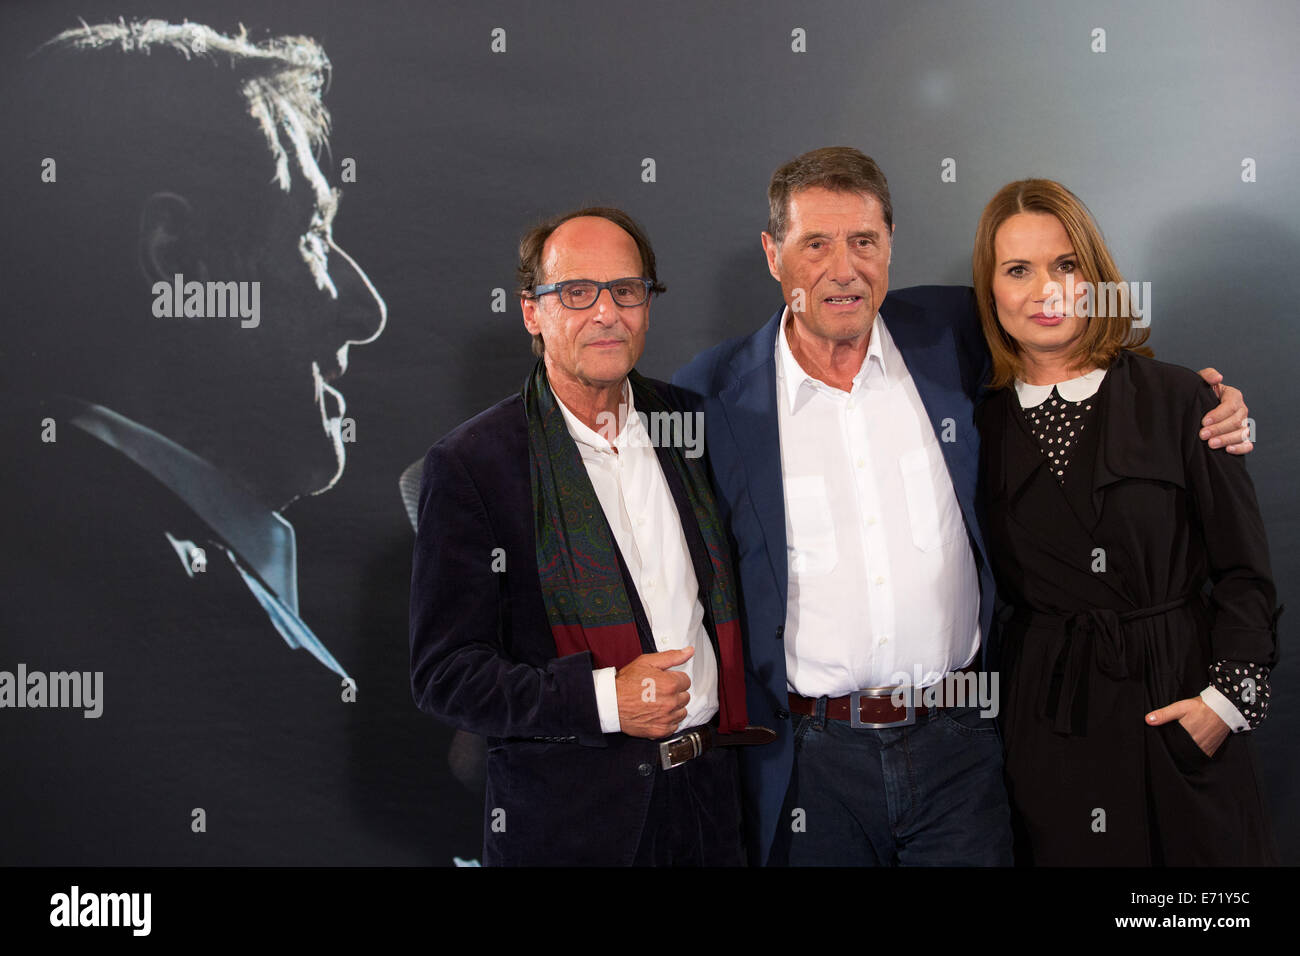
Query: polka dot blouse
x=1246 y=687
x=1057 y=424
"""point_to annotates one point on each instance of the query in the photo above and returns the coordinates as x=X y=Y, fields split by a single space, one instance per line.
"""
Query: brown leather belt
x=872 y=708
x=689 y=744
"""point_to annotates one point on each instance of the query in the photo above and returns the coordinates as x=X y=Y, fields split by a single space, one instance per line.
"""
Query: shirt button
x=884 y=641
x=871 y=522
x=860 y=462
x=879 y=580
x=640 y=522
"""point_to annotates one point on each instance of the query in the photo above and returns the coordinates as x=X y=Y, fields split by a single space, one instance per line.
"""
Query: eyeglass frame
x=651 y=287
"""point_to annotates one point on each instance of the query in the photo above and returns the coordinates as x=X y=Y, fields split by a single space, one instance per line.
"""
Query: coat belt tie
x=1091 y=635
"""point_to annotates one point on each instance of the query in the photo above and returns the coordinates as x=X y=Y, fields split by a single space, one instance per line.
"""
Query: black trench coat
x=1087 y=652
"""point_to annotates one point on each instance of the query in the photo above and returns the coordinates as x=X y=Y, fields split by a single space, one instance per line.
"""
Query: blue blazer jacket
x=936 y=328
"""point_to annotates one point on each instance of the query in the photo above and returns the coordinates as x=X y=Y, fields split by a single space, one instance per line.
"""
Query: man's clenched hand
x=651 y=698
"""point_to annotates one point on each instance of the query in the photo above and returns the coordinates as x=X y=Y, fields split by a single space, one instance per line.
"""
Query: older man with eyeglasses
x=572 y=596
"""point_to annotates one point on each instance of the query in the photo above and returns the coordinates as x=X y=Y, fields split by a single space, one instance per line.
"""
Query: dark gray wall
x=458 y=149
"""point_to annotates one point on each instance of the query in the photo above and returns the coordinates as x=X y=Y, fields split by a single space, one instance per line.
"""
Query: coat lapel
x=749 y=404
x=1131 y=428
x=1038 y=492
x=1030 y=488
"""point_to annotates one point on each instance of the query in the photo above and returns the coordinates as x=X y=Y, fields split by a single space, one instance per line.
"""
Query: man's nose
x=361 y=309
x=606 y=307
x=841 y=267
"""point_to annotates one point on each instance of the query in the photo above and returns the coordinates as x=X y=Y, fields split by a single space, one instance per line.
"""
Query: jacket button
x=780 y=632
x=782 y=713
x=645 y=770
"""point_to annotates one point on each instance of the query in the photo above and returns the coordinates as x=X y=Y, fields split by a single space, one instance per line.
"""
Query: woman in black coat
x=1140 y=623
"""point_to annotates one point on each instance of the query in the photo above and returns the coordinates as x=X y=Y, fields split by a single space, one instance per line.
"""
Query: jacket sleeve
x=460 y=668
x=1243 y=596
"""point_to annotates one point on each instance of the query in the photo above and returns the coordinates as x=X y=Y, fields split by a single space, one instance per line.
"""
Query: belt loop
x=819 y=718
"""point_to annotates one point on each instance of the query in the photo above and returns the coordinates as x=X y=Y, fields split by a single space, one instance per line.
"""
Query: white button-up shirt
x=883 y=587
x=643 y=517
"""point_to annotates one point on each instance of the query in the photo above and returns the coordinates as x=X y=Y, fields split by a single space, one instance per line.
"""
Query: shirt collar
x=877 y=365
x=595 y=440
x=263 y=539
x=1072 y=390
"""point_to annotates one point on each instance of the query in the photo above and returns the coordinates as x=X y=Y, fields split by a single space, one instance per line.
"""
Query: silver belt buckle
x=692 y=748
x=855 y=708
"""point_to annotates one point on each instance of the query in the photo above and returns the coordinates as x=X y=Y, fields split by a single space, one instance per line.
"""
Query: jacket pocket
x=1184 y=751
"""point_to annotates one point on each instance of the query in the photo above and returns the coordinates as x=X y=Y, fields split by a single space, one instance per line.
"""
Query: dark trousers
x=694 y=815
x=930 y=794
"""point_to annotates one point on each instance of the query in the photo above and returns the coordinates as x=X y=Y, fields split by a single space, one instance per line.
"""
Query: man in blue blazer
x=845 y=458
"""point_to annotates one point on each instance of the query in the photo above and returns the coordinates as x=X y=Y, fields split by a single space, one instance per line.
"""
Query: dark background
x=459 y=149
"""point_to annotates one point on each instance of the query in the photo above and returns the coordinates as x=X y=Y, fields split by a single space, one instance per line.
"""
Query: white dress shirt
x=643 y=517
x=1076 y=390
x=883 y=587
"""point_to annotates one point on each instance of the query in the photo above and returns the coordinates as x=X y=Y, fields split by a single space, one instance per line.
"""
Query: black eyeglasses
x=583 y=293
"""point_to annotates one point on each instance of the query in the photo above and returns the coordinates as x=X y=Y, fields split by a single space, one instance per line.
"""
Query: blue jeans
x=930 y=794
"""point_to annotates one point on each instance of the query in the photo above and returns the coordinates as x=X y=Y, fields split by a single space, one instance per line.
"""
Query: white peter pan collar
x=1072 y=390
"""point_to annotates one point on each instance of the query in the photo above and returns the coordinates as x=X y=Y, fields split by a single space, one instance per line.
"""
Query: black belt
x=1090 y=635
x=689 y=744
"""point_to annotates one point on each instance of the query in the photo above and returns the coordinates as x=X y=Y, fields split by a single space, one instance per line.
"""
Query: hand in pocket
x=1202 y=724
